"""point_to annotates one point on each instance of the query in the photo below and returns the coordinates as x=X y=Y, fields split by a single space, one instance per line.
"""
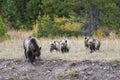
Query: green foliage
x=32 y=10
x=2 y=30
x=45 y=27
x=2 y=27
x=25 y=14
x=118 y=33
x=109 y=15
x=20 y=12
x=57 y=7
x=10 y=11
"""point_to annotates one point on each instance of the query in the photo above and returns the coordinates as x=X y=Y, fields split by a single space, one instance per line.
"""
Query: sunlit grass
x=13 y=49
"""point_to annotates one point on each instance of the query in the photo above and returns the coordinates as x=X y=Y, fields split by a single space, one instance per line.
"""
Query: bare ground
x=59 y=70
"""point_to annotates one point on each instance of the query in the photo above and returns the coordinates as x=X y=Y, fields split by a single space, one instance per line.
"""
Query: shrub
x=2 y=27
x=118 y=34
x=46 y=27
x=2 y=30
x=98 y=34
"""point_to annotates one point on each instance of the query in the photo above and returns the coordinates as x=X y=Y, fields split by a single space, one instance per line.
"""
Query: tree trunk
x=93 y=19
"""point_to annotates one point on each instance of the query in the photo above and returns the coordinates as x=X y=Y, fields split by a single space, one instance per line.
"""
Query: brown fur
x=31 y=49
x=64 y=47
x=53 y=46
x=92 y=44
x=86 y=42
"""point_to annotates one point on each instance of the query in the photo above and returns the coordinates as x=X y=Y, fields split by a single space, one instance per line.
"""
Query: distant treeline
x=93 y=14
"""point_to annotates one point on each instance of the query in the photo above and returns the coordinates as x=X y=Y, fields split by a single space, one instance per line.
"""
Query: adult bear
x=93 y=44
x=31 y=49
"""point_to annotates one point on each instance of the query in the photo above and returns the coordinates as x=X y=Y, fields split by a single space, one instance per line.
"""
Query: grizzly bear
x=65 y=45
x=92 y=44
x=55 y=45
x=31 y=49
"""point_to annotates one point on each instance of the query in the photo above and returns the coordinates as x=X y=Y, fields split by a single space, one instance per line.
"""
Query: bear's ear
x=65 y=41
x=94 y=39
x=54 y=41
x=40 y=48
x=85 y=37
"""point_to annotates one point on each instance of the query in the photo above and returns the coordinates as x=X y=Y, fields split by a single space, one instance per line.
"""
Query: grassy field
x=13 y=49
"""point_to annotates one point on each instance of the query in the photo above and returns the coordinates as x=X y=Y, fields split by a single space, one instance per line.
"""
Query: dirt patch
x=59 y=70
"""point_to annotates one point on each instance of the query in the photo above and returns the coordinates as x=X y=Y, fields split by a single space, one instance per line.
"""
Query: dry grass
x=12 y=49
